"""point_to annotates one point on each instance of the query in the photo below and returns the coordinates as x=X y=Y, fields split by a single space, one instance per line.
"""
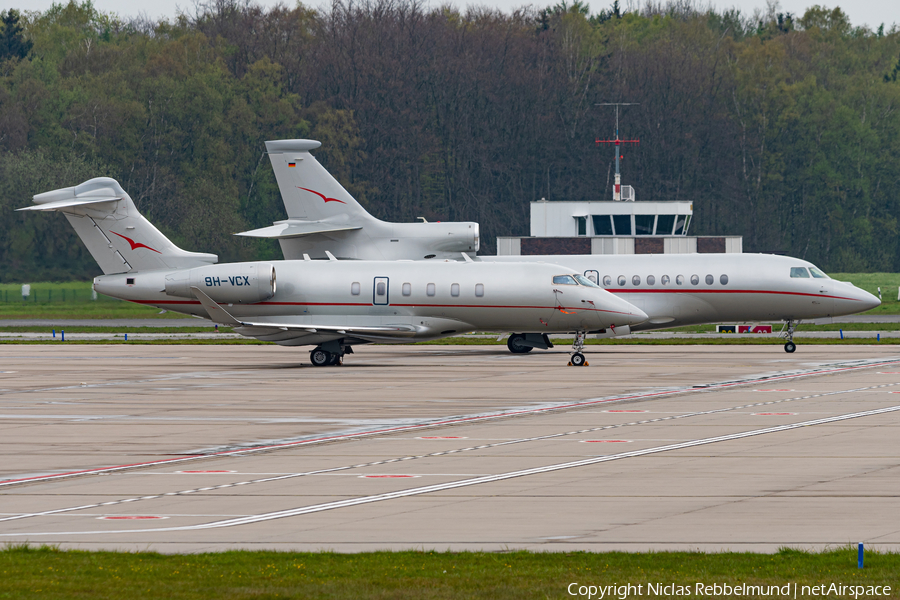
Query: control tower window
x=664 y=224
x=818 y=274
x=623 y=224
x=643 y=224
x=679 y=224
x=799 y=272
x=564 y=280
x=581 y=225
x=602 y=224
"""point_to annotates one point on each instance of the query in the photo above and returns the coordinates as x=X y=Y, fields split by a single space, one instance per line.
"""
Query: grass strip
x=46 y=572
x=559 y=344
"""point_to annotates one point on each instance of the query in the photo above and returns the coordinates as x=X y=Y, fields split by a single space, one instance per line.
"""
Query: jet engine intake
x=239 y=283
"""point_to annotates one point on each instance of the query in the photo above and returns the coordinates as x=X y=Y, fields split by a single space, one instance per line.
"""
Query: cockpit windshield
x=799 y=272
x=585 y=281
x=564 y=280
x=818 y=274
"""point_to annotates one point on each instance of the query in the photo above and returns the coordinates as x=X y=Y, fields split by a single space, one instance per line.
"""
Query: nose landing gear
x=788 y=333
x=577 y=359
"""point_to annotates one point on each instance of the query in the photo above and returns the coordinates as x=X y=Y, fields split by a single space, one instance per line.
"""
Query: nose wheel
x=577 y=359
x=788 y=333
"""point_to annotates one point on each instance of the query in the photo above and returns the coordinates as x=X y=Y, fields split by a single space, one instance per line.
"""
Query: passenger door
x=381 y=291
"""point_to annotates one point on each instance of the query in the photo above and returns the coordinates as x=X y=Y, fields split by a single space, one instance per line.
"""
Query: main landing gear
x=577 y=359
x=330 y=354
x=788 y=333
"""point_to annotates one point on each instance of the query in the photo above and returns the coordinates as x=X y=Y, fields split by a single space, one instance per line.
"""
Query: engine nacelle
x=239 y=283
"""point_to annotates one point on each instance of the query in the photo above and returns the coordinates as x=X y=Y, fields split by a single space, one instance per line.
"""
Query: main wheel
x=790 y=347
x=320 y=358
x=577 y=359
x=516 y=344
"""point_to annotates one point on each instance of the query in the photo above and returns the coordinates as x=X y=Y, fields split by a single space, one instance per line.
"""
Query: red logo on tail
x=135 y=245
x=322 y=196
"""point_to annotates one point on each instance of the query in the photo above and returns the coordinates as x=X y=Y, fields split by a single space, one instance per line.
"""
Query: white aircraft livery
x=330 y=304
x=323 y=216
x=673 y=289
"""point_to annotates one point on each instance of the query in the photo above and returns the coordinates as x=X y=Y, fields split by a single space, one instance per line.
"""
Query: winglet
x=216 y=313
x=330 y=255
x=467 y=258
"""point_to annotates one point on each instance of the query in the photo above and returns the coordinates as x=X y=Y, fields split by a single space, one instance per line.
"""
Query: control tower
x=620 y=226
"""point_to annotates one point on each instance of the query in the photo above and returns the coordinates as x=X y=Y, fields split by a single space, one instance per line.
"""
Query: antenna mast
x=617 y=189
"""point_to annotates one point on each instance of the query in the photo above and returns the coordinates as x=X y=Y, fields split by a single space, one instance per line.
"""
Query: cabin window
x=454 y=289
x=723 y=279
x=818 y=274
x=695 y=280
x=354 y=288
x=636 y=280
x=380 y=288
x=651 y=280
x=407 y=289
x=564 y=280
x=479 y=290
x=799 y=272
x=429 y=289
x=710 y=280
x=607 y=281
x=621 y=280
x=679 y=280
x=664 y=280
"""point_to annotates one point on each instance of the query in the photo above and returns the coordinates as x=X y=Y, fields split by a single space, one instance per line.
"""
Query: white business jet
x=673 y=289
x=331 y=304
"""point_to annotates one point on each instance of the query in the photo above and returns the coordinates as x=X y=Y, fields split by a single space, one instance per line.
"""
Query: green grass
x=47 y=573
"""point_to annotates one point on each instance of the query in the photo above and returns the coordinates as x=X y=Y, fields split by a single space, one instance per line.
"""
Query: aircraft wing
x=271 y=331
x=293 y=229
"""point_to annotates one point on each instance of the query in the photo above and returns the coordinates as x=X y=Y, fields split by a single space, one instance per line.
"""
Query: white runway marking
x=426 y=424
x=294 y=512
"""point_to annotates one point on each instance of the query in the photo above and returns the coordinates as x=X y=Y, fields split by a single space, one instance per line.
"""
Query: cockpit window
x=799 y=272
x=818 y=274
x=564 y=280
x=585 y=281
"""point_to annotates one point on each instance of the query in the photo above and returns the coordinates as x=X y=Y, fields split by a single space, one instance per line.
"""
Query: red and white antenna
x=617 y=189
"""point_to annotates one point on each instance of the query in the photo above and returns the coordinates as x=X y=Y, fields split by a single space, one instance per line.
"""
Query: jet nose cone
x=852 y=300
x=624 y=312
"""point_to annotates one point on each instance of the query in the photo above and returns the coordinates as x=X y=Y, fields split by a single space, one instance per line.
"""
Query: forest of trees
x=782 y=128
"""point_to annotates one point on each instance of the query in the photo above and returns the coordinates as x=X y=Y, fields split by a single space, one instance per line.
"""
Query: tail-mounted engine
x=240 y=283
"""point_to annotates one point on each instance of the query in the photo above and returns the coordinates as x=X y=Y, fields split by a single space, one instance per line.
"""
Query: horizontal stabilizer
x=293 y=229
x=60 y=204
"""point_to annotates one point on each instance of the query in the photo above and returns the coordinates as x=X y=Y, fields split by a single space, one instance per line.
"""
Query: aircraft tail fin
x=309 y=191
x=119 y=238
